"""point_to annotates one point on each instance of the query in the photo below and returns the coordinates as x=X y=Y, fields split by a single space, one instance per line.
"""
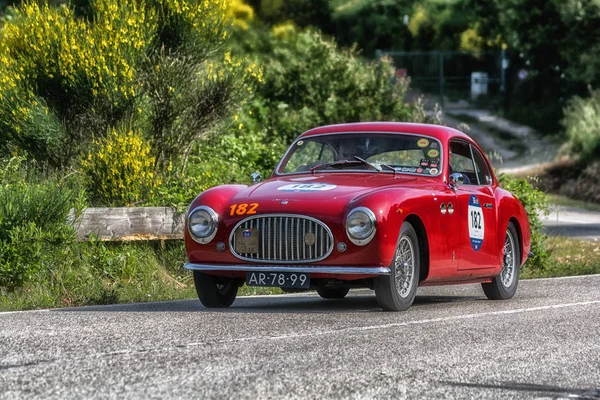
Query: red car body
x=439 y=210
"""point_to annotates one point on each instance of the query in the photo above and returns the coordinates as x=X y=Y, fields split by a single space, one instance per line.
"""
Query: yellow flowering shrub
x=120 y=169
x=241 y=14
x=155 y=65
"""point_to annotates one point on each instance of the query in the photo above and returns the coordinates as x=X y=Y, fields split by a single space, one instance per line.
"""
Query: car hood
x=312 y=193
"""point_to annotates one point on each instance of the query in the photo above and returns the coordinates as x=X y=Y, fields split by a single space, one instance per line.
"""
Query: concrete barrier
x=134 y=223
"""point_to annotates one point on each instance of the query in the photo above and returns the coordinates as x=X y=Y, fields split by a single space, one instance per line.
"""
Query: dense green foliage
x=311 y=82
x=68 y=82
x=34 y=228
x=554 y=41
x=582 y=125
x=536 y=205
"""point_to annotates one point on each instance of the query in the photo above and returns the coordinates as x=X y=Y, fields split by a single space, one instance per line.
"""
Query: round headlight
x=202 y=224
x=360 y=226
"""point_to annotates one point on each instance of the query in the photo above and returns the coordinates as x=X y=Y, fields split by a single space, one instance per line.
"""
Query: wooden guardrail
x=125 y=224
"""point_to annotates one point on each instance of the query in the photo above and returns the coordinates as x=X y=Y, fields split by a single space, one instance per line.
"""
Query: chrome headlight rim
x=373 y=226
x=213 y=217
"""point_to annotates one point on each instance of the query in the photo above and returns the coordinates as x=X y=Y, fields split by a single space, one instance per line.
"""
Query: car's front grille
x=282 y=238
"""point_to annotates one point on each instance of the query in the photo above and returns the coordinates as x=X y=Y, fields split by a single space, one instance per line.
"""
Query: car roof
x=442 y=133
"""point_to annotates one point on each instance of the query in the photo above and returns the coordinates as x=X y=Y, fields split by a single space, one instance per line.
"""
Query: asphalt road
x=453 y=343
x=573 y=222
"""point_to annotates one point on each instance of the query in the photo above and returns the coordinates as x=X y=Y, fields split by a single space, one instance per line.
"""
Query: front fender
x=509 y=208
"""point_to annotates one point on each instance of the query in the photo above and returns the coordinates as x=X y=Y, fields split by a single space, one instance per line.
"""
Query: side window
x=483 y=171
x=461 y=162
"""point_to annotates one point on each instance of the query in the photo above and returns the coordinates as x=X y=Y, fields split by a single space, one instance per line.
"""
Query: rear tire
x=397 y=291
x=504 y=286
x=214 y=291
x=335 y=292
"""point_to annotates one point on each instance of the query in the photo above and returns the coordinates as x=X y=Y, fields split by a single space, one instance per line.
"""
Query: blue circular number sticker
x=476 y=225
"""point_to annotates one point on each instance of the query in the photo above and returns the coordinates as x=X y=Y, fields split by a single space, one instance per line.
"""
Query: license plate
x=278 y=279
x=246 y=241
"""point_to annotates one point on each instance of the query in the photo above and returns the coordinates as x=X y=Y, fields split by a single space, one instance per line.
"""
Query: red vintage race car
x=388 y=206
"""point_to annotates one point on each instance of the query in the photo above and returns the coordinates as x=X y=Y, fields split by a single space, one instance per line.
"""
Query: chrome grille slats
x=285 y=238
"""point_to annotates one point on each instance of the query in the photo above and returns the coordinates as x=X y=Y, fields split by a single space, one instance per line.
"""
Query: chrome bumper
x=291 y=268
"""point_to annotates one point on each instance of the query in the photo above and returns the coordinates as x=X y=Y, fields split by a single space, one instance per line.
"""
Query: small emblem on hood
x=283 y=202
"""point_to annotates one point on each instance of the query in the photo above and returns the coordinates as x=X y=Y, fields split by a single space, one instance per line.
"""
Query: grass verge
x=568 y=257
x=111 y=273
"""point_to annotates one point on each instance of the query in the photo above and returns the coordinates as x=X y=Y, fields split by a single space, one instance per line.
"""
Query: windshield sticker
x=300 y=142
x=434 y=145
x=476 y=225
x=433 y=171
x=307 y=187
x=433 y=153
x=422 y=142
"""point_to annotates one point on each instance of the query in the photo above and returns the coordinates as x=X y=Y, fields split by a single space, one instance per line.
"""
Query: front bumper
x=376 y=270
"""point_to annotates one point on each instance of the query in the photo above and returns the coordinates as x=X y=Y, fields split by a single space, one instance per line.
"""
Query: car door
x=476 y=213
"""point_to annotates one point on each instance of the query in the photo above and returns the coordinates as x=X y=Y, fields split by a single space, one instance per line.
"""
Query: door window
x=468 y=161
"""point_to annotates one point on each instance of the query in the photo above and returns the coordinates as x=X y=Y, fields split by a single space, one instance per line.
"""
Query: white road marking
x=126 y=352
x=407 y=323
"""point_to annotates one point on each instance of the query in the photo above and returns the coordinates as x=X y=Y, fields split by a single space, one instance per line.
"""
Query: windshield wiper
x=356 y=161
x=368 y=164
x=334 y=164
x=375 y=167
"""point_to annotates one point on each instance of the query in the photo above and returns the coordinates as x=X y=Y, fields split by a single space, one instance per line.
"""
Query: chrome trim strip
x=275 y=221
x=291 y=268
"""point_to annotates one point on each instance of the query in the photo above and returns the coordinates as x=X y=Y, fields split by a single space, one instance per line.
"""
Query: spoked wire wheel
x=504 y=286
x=397 y=291
x=404 y=267
x=509 y=265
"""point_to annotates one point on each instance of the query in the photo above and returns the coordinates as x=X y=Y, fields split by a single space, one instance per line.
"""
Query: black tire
x=504 y=286
x=397 y=291
x=213 y=291
x=335 y=292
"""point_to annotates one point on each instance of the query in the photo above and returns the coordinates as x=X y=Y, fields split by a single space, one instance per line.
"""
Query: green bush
x=312 y=82
x=582 y=125
x=96 y=272
x=66 y=80
x=536 y=205
x=34 y=221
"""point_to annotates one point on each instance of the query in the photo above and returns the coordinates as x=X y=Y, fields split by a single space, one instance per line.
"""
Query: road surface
x=572 y=222
x=453 y=343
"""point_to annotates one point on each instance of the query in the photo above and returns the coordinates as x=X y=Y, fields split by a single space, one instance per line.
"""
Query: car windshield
x=367 y=152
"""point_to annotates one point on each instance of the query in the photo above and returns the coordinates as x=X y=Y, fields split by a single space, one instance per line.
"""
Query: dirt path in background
x=512 y=148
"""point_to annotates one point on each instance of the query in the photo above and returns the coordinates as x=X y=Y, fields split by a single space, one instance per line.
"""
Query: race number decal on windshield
x=476 y=226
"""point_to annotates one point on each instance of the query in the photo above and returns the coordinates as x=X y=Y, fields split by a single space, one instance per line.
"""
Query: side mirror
x=456 y=180
x=256 y=177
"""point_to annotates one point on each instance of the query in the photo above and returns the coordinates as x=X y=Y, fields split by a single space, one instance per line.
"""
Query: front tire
x=214 y=291
x=336 y=292
x=504 y=286
x=397 y=291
